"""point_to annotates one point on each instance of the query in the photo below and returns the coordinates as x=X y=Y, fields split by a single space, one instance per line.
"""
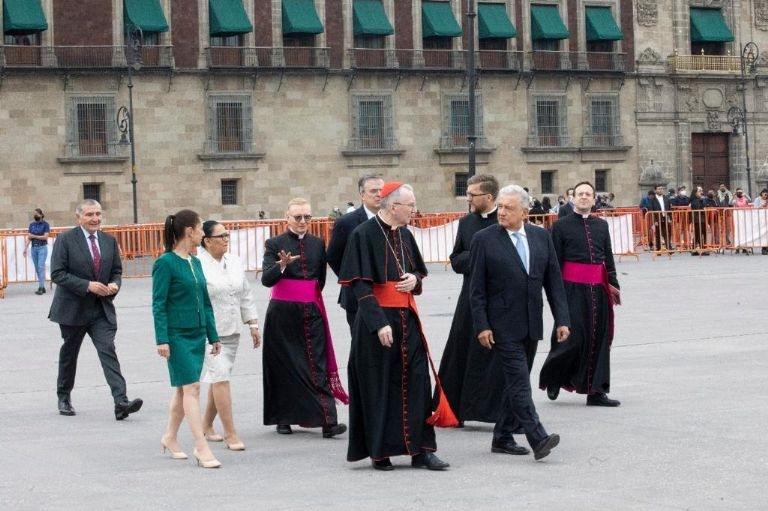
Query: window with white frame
x=372 y=122
x=456 y=121
x=230 y=124
x=549 y=122
x=602 y=129
x=92 y=131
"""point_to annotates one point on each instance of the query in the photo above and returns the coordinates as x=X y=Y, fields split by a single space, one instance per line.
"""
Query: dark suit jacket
x=656 y=206
x=342 y=228
x=72 y=270
x=506 y=299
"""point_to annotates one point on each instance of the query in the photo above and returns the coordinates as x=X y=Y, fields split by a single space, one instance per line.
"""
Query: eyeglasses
x=299 y=218
x=473 y=195
x=412 y=206
x=222 y=236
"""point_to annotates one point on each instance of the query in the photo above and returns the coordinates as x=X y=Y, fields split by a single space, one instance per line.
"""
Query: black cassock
x=296 y=389
x=582 y=363
x=471 y=375
x=389 y=388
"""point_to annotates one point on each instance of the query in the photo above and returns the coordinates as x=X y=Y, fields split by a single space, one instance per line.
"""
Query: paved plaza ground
x=690 y=365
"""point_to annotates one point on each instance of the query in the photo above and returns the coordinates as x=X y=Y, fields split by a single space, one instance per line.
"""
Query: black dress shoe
x=65 y=407
x=383 y=464
x=429 y=461
x=508 y=447
x=544 y=447
x=284 y=429
x=601 y=400
x=553 y=392
x=124 y=409
x=335 y=429
x=40 y=291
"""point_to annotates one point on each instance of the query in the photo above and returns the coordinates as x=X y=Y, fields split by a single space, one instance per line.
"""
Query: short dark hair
x=588 y=184
x=487 y=182
x=208 y=227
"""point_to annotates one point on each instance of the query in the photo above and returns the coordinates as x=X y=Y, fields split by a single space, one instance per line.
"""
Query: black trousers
x=517 y=360
x=102 y=333
x=663 y=229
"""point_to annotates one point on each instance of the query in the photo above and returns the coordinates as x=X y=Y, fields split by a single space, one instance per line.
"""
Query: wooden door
x=709 y=157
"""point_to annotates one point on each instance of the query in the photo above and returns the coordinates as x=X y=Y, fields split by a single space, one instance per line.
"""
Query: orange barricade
x=621 y=225
x=546 y=220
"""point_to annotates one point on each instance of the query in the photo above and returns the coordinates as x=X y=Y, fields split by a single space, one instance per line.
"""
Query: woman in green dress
x=183 y=319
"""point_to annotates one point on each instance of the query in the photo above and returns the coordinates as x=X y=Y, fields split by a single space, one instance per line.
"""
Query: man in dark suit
x=661 y=222
x=86 y=267
x=370 y=192
x=511 y=262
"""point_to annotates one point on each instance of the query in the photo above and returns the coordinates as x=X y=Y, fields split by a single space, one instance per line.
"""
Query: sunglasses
x=299 y=218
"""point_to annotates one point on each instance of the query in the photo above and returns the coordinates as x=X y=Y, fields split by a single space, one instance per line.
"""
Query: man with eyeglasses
x=471 y=376
x=301 y=378
x=370 y=192
x=389 y=381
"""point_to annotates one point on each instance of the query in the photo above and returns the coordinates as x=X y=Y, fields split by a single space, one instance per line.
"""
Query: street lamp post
x=749 y=54
x=471 y=135
x=125 y=115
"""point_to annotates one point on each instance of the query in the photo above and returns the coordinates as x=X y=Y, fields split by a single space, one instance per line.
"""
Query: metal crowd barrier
x=715 y=229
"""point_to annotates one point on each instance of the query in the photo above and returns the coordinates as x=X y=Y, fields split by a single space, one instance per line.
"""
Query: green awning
x=227 y=18
x=601 y=26
x=493 y=22
x=370 y=18
x=708 y=26
x=22 y=17
x=546 y=23
x=145 y=14
x=300 y=17
x=437 y=20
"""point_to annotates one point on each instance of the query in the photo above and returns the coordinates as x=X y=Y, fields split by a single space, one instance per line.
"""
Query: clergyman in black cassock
x=470 y=374
x=582 y=363
x=299 y=385
x=389 y=383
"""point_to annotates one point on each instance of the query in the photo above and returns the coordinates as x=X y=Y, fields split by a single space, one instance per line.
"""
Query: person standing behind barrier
x=662 y=222
x=233 y=306
x=183 y=320
x=471 y=376
x=724 y=196
x=582 y=363
x=87 y=271
x=301 y=379
x=39 y=231
x=369 y=187
x=512 y=262
x=698 y=203
x=567 y=208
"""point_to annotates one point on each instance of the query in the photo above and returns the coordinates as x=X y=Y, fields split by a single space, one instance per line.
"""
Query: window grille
x=547 y=181
x=551 y=122
x=460 y=184
x=92 y=191
x=372 y=122
x=456 y=121
x=229 y=192
x=601 y=180
x=603 y=129
x=92 y=126
x=230 y=128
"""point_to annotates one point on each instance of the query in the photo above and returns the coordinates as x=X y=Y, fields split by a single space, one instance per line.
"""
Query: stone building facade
x=240 y=105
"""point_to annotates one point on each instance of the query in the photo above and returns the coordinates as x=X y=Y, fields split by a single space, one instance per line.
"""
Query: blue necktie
x=521 y=250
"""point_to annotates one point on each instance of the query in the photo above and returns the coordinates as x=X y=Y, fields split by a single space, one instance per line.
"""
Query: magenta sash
x=595 y=275
x=308 y=291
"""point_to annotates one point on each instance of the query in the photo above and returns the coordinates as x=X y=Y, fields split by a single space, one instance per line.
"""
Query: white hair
x=525 y=199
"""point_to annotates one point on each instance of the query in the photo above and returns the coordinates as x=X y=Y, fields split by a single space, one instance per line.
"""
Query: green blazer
x=180 y=297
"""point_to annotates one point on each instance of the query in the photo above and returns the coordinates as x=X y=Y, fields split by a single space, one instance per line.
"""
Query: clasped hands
x=407 y=283
x=485 y=338
x=164 y=350
x=100 y=289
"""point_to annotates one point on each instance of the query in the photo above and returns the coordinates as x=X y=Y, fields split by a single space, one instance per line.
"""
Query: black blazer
x=342 y=228
x=506 y=299
x=656 y=206
x=72 y=270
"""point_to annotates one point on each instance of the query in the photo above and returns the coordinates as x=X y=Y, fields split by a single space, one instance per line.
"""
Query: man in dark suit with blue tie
x=511 y=262
x=86 y=267
x=370 y=192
